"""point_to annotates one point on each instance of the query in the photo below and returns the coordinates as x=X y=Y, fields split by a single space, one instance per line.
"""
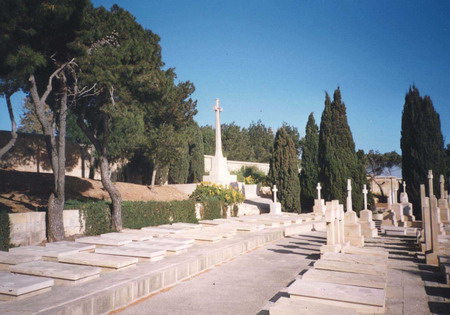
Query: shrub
x=206 y=191
x=212 y=209
x=4 y=230
x=251 y=175
x=135 y=214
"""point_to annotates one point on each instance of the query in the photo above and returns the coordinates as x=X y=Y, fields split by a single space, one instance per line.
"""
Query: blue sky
x=273 y=60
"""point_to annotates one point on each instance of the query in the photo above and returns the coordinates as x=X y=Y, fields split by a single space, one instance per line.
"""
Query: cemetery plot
x=79 y=246
x=143 y=232
x=8 y=259
x=171 y=248
x=102 y=241
x=15 y=287
x=163 y=230
x=360 y=280
x=106 y=262
x=188 y=225
x=176 y=239
x=144 y=254
x=365 y=251
x=47 y=253
x=350 y=267
x=127 y=236
x=64 y=274
x=286 y=306
x=355 y=259
x=360 y=298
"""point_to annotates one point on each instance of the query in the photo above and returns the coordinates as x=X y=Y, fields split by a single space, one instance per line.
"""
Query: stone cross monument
x=219 y=173
x=319 y=188
x=274 y=189
x=319 y=204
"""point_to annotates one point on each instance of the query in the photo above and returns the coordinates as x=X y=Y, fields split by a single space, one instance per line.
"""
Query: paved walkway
x=241 y=286
x=252 y=282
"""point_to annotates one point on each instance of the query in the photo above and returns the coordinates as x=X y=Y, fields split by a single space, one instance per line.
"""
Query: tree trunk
x=13 y=139
x=92 y=163
x=56 y=147
x=116 y=198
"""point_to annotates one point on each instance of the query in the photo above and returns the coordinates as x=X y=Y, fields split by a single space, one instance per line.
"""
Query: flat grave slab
x=356 y=279
x=7 y=259
x=188 y=225
x=143 y=232
x=175 y=239
x=172 y=248
x=211 y=222
x=62 y=273
x=356 y=259
x=365 y=251
x=149 y=254
x=80 y=246
x=361 y=299
x=219 y=230
x=14 y=287
x=286 y=306
x=102 y=241
x=163 y=230
x=201 y=236
x=107 y=262
x=47 y=253
x=351 y=267
x=127 y=236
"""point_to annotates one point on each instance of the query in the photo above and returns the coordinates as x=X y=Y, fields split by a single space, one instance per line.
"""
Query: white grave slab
x=151 y=254
x=286 y=306
x=356 y=259
x=7 y=259
x=127 y=236
x=99 y=260
x=47 y=253
x=13 y=286
x=360 y=298
x=80 y=246
x=61 y=273
x=188 y=225
x=103 y=241
x=350 y=267
x=347 y=278
x=173 y=248
x=143 y=232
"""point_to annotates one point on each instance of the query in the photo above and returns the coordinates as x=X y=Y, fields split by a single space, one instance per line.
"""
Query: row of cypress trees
x=328 y=157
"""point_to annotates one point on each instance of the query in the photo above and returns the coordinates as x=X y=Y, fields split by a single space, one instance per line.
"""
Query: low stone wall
x=30 y=228
x=236 y=165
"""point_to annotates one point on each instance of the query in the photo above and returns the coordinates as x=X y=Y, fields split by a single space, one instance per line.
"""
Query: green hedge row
x=4 y=230
x=137 y=214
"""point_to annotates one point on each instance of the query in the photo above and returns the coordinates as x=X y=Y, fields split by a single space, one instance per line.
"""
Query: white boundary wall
x=236 y=165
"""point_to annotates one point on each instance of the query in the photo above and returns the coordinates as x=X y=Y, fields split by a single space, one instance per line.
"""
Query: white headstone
x=319 y=188
x=349 y=195
x=274 y=189
x=365 y=191
x=275 y=207
x=430 y=183
x=442 y=188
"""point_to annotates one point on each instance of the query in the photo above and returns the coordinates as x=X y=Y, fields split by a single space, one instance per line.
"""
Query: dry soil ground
x=26 y=191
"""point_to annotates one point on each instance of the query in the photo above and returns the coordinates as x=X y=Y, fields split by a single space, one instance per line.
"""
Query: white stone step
x=361 y=299
x=286 y=306
x=350 y=267
x=103 y=241
x=80 y=246
x=338 y=277
x=98 y=260
x=61 y=273
x=149 y=254
x=47 y=253
x=14 y=287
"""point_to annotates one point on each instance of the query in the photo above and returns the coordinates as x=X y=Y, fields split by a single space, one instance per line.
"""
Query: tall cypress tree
x=310 y=164
x=283 y=171
x=422 y=145
x=337 y=156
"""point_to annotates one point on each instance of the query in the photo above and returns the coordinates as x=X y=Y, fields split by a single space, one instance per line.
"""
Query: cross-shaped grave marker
x=365 y=191
x=319 y=188
x=274 y=189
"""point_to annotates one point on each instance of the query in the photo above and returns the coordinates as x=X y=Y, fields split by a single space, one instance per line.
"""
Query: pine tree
x=310 y=165
x=422 y=145
x=283 y=171
x=337 y=157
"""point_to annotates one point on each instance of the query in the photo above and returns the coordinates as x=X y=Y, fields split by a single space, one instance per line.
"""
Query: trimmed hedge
x=4 y=230
x=135 y=214
x=212 y=209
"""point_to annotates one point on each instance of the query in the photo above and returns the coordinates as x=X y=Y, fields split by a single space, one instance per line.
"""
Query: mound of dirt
x=26 y=191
